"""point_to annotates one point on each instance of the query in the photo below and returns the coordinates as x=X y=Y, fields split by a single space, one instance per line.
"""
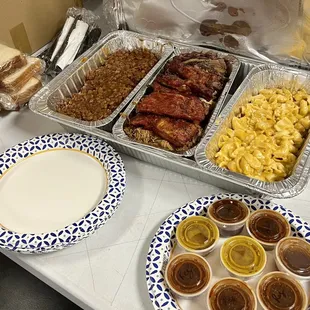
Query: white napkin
x=74 y=43
x=63 y=35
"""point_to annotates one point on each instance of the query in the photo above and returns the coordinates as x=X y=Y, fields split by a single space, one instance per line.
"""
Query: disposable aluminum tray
x=186 y=166
x=234 y=66
x=72 y=79
x=265 y=76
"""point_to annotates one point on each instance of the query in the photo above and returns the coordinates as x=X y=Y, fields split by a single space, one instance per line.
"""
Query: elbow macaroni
x=265 y=137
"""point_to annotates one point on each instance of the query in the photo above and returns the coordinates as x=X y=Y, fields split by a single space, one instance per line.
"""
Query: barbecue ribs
x=158 y=88
x=170 y=116
x=177 y=132
x=174 y=105
x=174 y=82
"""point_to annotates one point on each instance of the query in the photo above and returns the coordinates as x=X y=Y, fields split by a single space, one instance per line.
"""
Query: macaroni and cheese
x=266 y=135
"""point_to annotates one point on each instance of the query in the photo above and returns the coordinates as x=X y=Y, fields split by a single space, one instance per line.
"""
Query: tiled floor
x=19 y=290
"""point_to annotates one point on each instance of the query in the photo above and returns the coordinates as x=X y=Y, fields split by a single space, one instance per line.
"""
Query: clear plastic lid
x=294 y=253
x=228 y=211
x=230 y=293
x=243 y=256
x=197 y=233
x=188 y=273
x=278 y=290
x=268 y=226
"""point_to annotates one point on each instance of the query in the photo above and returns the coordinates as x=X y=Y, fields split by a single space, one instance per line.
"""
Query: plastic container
x=229 y=215
x=292 y=256
x=277 y=290
x=188 y=275
x=268 y=228
x=230 y=293
x=243 y=257
x=197 y=234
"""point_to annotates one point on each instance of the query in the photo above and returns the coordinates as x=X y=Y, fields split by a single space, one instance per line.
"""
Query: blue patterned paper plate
x=165 y=240
x=74 y=233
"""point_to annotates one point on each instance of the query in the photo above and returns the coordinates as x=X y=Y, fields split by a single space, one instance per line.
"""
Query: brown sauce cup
x=229 y=215
x=231 y=293
x=268 y=228
x=188 y=275
x=292 y=256
x=279 y=291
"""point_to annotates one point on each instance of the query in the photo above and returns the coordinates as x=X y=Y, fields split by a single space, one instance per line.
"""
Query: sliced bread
x=10 y=60
x=27 y=91
x=15 y=81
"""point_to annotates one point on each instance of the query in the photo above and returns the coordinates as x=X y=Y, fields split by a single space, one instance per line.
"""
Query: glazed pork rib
x=170 y=117
x=158 y=88
x=174 y=105
x=176 y=131
x=201 y=83
x=174 y=82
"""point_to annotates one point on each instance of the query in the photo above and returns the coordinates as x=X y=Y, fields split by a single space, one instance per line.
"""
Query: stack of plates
x=56 y=190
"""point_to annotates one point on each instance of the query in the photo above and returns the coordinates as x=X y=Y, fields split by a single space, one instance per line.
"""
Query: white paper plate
x=164 y=246
x=57 y=189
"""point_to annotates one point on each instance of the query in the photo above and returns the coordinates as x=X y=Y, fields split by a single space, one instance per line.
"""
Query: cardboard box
x=30 y=24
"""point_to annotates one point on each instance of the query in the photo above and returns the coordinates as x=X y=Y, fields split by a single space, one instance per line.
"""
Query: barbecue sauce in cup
x=268 y=227
x=188 y=274
x=229 y=215
x=231 y=294
x=294 y=254
x=279 y=291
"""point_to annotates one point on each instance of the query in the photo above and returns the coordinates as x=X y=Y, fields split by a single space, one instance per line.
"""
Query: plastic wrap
x=86 y=16
x=15 y=81
x=79 y=33
x=269 y=29
x=14 y=101
x=113 y=15
x=265 y=76
x=11 y=59
x=306 y=30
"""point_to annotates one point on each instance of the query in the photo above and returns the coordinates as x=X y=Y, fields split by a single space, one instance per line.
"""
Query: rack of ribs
x=176 y=131
x=174 y=105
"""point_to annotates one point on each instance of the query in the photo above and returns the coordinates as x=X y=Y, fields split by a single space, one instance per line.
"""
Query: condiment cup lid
x=264 y=212
x=232 y=282
x=295 y=242
x=217 y=221
x=243 y=256
x=193 y=239
x=194 y=257
x=278 y=274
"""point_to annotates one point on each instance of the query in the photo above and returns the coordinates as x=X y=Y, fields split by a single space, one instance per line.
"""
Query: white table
x=107 y=271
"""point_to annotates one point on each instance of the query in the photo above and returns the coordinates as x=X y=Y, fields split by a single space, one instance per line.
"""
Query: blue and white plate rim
x=71 y=234
x=164 y=240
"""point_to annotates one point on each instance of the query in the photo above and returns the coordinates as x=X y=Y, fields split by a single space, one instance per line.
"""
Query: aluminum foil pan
x=186 y=166
x=265 y=76
x=118 y=128
x=72 y=79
